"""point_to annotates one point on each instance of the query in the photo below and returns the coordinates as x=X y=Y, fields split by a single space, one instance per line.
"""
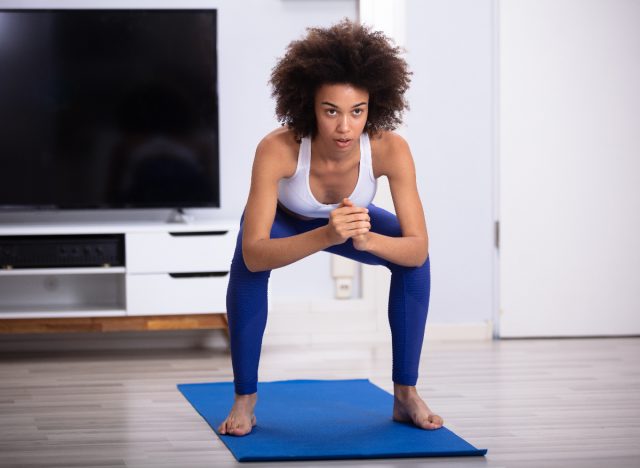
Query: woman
x=340 y=93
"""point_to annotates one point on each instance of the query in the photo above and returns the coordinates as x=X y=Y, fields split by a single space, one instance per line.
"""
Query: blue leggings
x=247 y=300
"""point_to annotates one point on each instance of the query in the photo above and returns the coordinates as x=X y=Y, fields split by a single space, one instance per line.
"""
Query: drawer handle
x=206 y=274
x=198 y=233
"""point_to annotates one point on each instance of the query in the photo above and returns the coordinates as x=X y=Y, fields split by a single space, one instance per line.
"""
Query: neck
x=324 y=152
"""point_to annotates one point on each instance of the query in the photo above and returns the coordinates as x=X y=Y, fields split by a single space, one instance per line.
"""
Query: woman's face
x=341 y=112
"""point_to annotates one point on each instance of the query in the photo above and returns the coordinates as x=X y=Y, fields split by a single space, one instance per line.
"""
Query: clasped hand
x=349 y=222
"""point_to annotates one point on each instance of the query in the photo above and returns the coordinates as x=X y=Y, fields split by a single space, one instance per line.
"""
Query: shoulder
x=278 y=152
x=280 y=140
x=387 y=141
x=390 y=153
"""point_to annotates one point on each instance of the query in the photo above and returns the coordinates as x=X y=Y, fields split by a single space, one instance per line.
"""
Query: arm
x=412 y=249
x=262 y=253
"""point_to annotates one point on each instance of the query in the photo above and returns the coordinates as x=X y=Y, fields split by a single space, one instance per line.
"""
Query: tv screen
x=108 y=109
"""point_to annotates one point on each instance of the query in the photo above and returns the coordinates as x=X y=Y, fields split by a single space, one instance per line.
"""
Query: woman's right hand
x=347 y=221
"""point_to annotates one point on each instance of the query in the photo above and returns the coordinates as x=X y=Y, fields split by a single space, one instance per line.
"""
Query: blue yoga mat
x=322 y=420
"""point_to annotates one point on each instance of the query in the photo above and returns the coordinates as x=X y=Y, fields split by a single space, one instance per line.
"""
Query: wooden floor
x=532 y=403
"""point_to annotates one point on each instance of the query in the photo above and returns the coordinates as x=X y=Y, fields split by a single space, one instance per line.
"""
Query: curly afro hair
x=344 y=53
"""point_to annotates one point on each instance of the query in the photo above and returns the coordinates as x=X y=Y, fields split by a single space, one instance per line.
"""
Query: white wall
x=450 y=128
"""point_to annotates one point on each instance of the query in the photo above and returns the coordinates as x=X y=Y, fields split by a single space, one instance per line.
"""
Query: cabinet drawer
x=162 y=252
x=168 y=294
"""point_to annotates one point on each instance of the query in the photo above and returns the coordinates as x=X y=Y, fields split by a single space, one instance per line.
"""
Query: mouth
x=343 y=142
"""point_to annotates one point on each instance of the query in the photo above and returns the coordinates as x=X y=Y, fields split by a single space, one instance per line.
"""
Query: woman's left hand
x=360 y=242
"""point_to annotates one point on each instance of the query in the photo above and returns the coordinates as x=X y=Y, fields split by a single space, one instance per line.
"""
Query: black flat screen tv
x=108 y=109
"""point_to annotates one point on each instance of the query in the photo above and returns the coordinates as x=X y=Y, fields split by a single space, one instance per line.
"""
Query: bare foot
x=241 y=418
x=409 y=407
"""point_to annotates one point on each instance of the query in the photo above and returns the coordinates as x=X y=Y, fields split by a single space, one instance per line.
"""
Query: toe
x=426 y=424
x=238 y=431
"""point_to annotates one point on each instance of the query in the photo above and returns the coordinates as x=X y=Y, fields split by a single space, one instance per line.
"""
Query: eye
x=331 y=112
x=358 y=111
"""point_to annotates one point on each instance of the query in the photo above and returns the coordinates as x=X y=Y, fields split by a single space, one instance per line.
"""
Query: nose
x=343 y=124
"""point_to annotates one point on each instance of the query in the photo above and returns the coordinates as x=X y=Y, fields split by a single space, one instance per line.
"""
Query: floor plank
x=532 y=403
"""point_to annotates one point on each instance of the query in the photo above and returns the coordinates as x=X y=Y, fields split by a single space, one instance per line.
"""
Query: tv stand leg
x=179 y=216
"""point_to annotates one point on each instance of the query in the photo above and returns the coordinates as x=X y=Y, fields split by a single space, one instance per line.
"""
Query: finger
x=357 y=227
x=355 y=217
x=349 y=228
x=348 y=203
x=352 y=210
x=358 y=232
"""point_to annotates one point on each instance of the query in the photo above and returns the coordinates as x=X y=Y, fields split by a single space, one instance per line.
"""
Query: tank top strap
x=304 y=156
x=365 y=154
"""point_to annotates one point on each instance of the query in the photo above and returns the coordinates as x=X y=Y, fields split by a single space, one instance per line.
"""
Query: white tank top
x=295 y=192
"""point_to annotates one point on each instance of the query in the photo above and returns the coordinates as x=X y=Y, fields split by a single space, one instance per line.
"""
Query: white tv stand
x=175 y=276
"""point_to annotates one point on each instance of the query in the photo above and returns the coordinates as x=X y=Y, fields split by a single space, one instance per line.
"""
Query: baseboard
x=472 y=331
x=481 y=331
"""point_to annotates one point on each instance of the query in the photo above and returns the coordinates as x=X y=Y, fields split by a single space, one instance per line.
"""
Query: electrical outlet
x=344 y=288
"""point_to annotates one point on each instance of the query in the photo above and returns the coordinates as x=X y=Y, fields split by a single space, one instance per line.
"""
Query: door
x=569 y=161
